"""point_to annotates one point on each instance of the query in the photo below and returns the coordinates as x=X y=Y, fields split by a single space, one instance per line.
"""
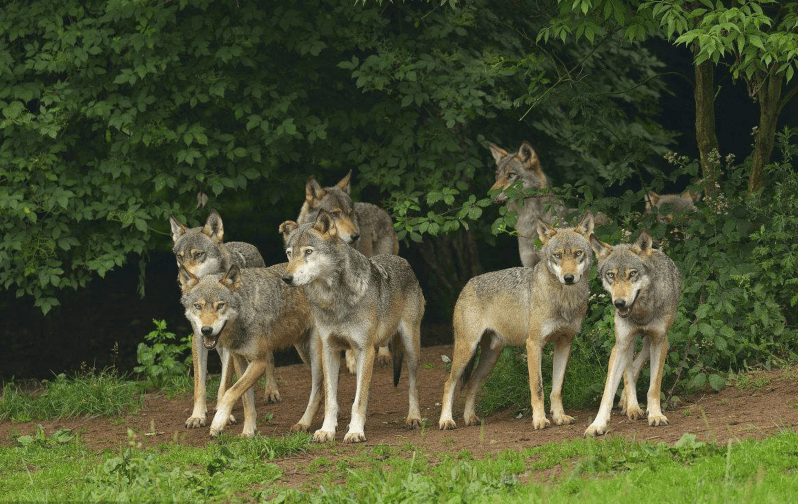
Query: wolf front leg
x=659 y=351
x=619 y=360
x=199 y=356
x=331 y=363
x=249 y=375
x=364 y=358
x=628 y=401
x=562 y=353
x=534 y=357
x=312 y=356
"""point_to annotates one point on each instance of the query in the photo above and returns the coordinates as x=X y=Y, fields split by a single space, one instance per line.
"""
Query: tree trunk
x=770 y=105
x=706 y=137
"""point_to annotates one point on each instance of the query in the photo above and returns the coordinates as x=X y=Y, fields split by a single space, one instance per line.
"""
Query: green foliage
x=89 y=393
x=38 y=438
x=162 y=361
x=115 y=115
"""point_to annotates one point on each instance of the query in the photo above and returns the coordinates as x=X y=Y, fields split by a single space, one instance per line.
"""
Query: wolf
x=358 y=302
x=645 y=285
x=251 y=313
x=524 y=165
x=671 y=204
x=201 y=251
x=523 y=306
x=366 y=227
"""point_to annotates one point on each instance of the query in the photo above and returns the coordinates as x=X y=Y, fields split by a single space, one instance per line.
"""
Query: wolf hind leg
x=490 y=350
x=465 y=346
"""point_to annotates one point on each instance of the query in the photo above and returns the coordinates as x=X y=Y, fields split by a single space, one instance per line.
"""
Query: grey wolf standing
x=201 y=251
x=645 y=285
x=251 y=313
x=364 y=226
x=359 y=303
x=518 y=306
x=524 y=165
x=672 y=203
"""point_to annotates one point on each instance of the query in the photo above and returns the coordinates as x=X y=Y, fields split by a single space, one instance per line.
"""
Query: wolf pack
x=345 y=291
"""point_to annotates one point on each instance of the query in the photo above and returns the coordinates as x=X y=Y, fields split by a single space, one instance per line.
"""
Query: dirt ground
x=752 y=412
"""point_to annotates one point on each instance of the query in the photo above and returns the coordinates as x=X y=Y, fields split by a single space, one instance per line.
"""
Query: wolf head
x=336 y=201
x=671 y=204
x=313 y=248
x=623 y=270
x=566 y=251
x=523 y=165
x=199 y=249
x=210 y=302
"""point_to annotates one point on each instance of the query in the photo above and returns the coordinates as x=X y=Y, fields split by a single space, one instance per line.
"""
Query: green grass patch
x=102 y=393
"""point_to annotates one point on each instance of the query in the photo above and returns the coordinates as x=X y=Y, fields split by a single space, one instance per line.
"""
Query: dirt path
x=755 y=412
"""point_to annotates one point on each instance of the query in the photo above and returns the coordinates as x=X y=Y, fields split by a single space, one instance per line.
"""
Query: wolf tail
x=397 y=356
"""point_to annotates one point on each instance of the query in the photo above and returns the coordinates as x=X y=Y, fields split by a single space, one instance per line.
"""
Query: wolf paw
x=354 y=437
x=657 y=420
x=471 y=420
x=248 y=434
x=595 y=430
x=195 y=422
x=298 y=427
x=232 y=420
x=635 y=413
x=413 y=423
x=384 y=355
x=351 y=362
x=321 y=436
x=563 y=419
x=272 y=395
x=447 y=424
x=540 y=423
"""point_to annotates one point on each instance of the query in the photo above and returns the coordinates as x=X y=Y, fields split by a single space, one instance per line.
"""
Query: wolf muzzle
x=209 y=340
x=622 y=307
x=288 y=278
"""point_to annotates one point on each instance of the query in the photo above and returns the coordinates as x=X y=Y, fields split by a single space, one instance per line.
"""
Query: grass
x=59 y=467
x=102 y=393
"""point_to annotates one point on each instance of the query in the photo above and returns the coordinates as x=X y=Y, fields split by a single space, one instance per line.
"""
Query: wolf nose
x=619 y=303
x=289 y=279
x=206 y=330
x=354 y=237
x=569 y=279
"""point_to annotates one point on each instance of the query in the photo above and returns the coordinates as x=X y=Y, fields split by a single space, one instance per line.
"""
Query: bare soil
x=767 y=405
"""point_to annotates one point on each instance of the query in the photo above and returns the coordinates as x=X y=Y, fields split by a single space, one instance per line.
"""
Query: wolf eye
x=578 y=253
x=511 y=175
x=197 y=306
x=198 y=255
x=288 y=253
x=632 y=273
x=557 y=255
x=335 y=213
x=610 y=275
x=219 y=306
x=308 y=252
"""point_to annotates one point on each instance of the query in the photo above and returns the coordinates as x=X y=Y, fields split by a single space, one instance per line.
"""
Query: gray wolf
x=251 y=313
x=524 y=165
x=668 y=205
x=360 y=303
x=364 y=226
x=645 y=285
x=201 y=251
x=523 y=306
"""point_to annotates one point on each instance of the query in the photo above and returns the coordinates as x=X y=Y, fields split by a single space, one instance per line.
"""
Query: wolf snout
x=206 y=330
x=289 y=279
x=569 y=279
x=619 y=303
x=354 y=237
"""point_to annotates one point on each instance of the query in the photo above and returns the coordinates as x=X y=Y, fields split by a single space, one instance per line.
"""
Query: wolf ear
x=186 y=279
x=585 y=227
x=652 y=199
x=642 y=246
x=214 y=227
x=343 y=184
x=497 y=152
x=232 y=279
x=601 y=249
x=526 y=154
x=545 y=231
x=313 y=192
x=178 y=229
x=286 y=228
x=695 y=196
x=325 y=224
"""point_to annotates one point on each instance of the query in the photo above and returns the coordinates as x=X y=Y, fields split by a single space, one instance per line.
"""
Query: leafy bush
x=162 y=361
